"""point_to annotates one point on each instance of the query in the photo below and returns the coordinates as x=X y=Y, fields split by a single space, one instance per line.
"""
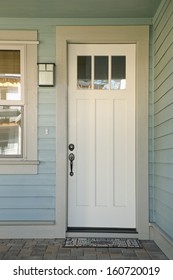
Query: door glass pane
x=101 y=72
x=118 y=75
x=10 y=130
x=84 y=72
x=10 y=78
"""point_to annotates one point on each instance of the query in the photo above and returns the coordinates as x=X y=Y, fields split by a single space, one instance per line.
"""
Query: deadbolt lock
x=71 y=147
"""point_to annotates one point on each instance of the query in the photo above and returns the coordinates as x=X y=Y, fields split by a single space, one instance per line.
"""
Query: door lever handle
x=71 y=158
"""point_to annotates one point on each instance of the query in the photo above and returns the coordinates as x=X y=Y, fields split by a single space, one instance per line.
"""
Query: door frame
x=104 y=34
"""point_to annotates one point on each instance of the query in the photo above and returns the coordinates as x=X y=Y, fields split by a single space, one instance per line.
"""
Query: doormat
x=103 y=242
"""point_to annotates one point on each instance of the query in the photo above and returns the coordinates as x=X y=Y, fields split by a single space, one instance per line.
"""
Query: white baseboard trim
x=162 y=240
x=29 y=231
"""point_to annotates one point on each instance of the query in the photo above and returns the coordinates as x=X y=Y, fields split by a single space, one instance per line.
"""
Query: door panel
x=83 y=160
x=101 y=125
x=120 y=153
x=104 y=148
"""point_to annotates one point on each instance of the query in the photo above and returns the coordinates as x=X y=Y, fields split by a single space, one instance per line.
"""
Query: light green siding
x=163 y=118
x=32 y=197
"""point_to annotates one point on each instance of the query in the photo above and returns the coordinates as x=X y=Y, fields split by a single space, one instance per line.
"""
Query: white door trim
x=104 y=34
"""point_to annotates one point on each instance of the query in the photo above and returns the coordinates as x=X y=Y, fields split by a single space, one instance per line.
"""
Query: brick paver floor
x=53 y=249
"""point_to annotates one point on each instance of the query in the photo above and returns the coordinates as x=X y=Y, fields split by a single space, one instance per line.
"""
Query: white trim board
x=162 y=240
x=104 y=34
x=28 y=231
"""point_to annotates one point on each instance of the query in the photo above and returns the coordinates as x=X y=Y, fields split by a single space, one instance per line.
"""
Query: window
x=11 y=101
x=11 y=131
x=101 y=72
x=84 y=72
x=18 y=97
x=118 y=73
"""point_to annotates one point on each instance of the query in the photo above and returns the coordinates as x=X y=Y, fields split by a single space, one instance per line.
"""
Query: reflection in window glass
x=10 y=130
x=101 y=72
x=84 y=72
x=10 y=78
x=118 y=75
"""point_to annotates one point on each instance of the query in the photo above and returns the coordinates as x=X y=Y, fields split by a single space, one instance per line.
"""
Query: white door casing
x=101 y=125
x=104 y=34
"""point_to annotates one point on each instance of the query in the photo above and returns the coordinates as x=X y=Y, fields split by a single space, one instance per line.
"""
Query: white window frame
x=26 y=42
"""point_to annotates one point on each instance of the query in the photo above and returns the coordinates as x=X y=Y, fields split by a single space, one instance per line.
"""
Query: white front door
x=101 y=126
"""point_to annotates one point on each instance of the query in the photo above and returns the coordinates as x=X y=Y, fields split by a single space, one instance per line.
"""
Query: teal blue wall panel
x=26 y=180
x=48 y=144
x=45 y=120
x=47 y=167
x=24 y=215
x=49 y=108
x=32 y=197
x=31 y=202
x=163 y=156
x=163 y=118
x=26 y=191
x=39 y=190
x=46 y=155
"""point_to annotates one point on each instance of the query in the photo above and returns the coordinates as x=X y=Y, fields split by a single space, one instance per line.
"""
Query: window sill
x=18 y=166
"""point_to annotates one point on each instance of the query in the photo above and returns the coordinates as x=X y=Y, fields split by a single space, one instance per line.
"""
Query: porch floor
x=53 y=249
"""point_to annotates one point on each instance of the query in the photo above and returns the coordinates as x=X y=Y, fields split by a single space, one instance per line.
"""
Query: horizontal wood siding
x=32 y=197
x=163 y=118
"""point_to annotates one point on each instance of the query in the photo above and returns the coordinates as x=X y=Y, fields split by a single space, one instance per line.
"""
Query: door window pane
x=101 y=72
x=84 y=72
x=118 y=75
x=10 y=131
x=10 y=75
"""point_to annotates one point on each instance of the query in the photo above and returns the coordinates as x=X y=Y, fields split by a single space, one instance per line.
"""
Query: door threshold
x=101 y=230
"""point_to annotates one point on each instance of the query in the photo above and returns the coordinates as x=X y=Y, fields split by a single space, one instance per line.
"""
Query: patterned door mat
x=103 y=242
